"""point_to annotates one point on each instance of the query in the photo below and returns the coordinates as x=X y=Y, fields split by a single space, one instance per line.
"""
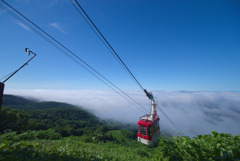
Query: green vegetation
x=33 y=130
x=22 y=115
x=13 y=120
x=217 y=146
x=69 y=148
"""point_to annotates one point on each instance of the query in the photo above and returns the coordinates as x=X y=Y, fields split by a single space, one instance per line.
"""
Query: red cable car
x=149 y=128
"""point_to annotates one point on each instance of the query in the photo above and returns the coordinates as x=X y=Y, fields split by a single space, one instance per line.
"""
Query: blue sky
x=168 y=45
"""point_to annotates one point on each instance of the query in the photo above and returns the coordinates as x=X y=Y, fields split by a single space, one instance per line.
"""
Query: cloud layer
x=193 y=112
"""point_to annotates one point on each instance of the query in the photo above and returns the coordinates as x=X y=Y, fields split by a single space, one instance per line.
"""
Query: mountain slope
x=64 y=118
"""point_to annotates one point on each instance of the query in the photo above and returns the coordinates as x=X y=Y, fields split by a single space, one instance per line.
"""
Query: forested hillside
x=31 y=130
x=63 y=118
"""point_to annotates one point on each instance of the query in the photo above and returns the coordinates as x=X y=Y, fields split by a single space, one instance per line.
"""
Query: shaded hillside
x=10 y=100
x=64 y=118
x=21 y=114
x=22 y=103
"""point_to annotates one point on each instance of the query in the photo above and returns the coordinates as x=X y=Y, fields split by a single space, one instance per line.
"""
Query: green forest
x=33 y=130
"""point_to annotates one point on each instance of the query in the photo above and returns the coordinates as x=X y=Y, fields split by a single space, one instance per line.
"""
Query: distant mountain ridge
x=15 y=100
x=19 y=102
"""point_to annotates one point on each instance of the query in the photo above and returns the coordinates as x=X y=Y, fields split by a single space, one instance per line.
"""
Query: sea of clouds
x=193 y=113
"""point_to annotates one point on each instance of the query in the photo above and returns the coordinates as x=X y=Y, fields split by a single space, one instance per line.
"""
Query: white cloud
x=57 y=26
x=24 y=26
x=21 y=25
x=193 y=112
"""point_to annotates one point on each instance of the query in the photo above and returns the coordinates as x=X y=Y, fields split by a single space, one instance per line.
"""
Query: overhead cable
x=70 y=54
x=114 y=53
x=116 y=56
x=168 y=118
x=5 y=76
x=161 y=122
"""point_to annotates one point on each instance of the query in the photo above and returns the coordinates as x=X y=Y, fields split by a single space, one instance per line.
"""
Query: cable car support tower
x=2 y=83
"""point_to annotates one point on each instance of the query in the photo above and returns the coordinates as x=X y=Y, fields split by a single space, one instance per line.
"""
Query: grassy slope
x=70 y=149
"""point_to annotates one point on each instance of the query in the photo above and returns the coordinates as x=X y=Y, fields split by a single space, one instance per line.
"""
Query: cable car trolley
x=149 y=128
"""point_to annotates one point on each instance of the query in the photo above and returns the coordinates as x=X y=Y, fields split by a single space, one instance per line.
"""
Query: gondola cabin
x=149 y=128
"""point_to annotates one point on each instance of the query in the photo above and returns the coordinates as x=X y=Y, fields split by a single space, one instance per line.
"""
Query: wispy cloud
x=193 y=112
x=24 y=26
x=57 y=26
x=21 y=25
